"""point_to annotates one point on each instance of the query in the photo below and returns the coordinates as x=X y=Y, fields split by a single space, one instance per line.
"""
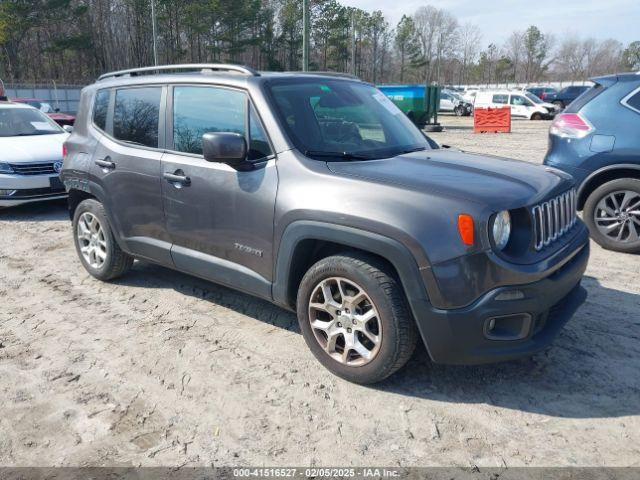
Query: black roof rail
x=204 y=67
x=329 y=74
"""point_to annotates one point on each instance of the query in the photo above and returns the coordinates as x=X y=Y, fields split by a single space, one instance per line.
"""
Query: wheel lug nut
x=348 y=330
x=339 y=324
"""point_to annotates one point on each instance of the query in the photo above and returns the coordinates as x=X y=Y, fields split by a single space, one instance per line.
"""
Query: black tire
x=398 y=329
x=590 y=210
x=536 y=116
x=117 y=262
x=559 y=104
x=458 y=111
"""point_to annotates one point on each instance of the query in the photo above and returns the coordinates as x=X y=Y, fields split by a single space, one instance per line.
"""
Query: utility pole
x=306 y=21
x=153 y=28
x=353 y=42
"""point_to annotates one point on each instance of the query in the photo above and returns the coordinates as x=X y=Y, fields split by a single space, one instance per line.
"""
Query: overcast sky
x=619 y=19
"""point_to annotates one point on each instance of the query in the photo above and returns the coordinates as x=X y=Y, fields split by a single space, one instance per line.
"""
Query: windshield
x=16 y=122
x=343 y=119
x=533 y=98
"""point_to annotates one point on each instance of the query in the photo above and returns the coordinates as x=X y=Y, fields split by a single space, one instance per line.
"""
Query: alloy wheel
x=345 y=322
x=91 y=239
x=617 y=216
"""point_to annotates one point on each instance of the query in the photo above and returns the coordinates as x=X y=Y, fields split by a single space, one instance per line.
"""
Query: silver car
x=31 y=153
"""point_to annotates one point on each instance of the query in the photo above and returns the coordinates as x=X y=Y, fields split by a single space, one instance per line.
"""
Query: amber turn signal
x=465 y=228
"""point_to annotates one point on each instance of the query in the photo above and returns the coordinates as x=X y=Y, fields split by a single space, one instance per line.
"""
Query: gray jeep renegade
x=315 y=192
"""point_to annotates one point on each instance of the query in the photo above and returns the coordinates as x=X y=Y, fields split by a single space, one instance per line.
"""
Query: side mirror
x=67 y=128
x=56 y=110
x=224 y=147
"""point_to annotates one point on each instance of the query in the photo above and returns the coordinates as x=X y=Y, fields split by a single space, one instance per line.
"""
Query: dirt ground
x=160 y=368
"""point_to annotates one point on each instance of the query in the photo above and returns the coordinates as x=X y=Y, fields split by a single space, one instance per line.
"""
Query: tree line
x=73 y=41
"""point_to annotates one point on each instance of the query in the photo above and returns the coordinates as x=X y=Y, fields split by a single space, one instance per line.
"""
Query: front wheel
x=612 y=213
x=536 y=116
x=459 y=111
x=97 y=248
x=354 y=317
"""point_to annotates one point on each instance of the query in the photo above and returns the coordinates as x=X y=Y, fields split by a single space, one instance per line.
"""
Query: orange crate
x=492 y=120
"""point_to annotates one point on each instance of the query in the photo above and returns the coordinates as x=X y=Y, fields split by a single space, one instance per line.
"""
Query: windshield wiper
x=411 y=150
x=33 y=134
x=340 y=155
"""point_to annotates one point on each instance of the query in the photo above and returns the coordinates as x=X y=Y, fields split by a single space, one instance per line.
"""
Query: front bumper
x=30 y=188
x=459 y=336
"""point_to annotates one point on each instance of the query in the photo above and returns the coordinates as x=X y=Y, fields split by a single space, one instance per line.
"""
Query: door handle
x=106 y=163
x=178 y=179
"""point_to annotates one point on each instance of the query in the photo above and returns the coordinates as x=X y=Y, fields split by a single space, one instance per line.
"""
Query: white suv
x=31 y=145
x=521 y=106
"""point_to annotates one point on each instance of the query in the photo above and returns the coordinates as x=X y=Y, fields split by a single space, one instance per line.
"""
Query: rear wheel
x=97 y=248
x=354 y=318
x=612 y=213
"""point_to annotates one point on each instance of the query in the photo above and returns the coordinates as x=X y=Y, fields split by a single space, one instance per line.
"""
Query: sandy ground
x=160 y=368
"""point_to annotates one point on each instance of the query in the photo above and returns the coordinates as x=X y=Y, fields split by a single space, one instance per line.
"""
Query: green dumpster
x=419 y=102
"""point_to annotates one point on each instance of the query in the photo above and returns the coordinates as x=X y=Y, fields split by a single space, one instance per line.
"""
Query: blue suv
x=597 y=140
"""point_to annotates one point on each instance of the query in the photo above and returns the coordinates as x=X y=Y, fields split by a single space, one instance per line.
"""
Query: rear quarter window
x=632 y=101
x=100 y=107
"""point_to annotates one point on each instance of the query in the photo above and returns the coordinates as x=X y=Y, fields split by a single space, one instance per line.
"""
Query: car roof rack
x=328 y=74
x=203 y=67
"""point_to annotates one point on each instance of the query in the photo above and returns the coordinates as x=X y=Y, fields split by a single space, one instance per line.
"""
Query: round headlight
x=501 y=229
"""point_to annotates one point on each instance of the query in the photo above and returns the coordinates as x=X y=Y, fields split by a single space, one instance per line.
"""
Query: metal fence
x=516 y=86
x=63 y=97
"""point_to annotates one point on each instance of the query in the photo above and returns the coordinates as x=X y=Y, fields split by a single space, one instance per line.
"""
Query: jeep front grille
x=553 y=218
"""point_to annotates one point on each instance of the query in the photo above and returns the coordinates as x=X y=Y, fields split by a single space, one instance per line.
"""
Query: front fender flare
x=393 y=251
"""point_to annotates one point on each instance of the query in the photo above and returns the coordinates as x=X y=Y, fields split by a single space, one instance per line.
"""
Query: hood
x=549 y=105
x=494 y=182
x=61 y=116
x=35 y=148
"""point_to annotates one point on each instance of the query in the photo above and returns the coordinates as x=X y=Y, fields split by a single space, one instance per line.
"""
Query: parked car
x=447 y=102
x=550 y=107
x=464 y=108
x=546 y=94
x=569 y=94
x=31 y=145
x=54 y=113
x=520 y=105
x=469 y=96
x=596 y=140
x=316 y=193
x=452 y=102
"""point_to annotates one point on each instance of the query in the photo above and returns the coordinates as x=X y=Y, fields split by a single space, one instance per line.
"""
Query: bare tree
x=469 y=47
x=437 y=30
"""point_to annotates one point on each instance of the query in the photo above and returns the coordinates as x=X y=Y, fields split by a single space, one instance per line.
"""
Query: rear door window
x=136 y=116
x=500 y=99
